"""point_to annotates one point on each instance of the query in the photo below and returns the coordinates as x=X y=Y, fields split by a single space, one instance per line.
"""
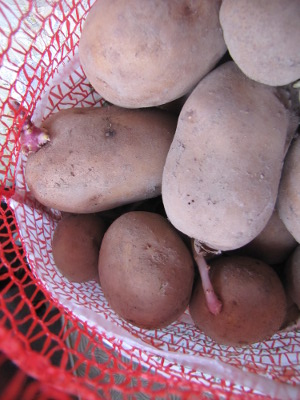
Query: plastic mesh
x=64 y=335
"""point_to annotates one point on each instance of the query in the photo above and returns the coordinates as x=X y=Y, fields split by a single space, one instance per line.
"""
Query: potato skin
x=253 y=297
x=222 y=172
x=292 y=276
x=100 y=158
x=288 y=202
x=263 y=38
x=274 y=244
x=145 y=270
x=143 y=53
x=76 y=244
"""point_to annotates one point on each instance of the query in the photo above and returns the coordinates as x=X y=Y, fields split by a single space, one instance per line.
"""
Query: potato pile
x=194 y=209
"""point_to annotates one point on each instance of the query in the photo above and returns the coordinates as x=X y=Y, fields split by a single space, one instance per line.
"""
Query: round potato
x=288 y=202
x=292 y=276
x=222 y=172
x=263 y=38
x=143 y=53
x=76 y=244
x=145 y=270
x=274 y=244
x=253 y=302
x=100 y=158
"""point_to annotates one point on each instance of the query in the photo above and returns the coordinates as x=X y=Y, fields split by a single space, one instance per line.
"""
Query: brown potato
x=76 y=244
x=292 y=276
x=273 y=245
x=222 y=172
x=143 y=53
x=288 y=202
x=100 y=158
x=145 y=270
x=263 y=38
x=253 y=302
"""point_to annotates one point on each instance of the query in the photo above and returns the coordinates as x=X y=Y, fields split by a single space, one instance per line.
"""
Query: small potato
x=253 y=302
x=145 y=270
x=288 y=202
x=100 y=158
x=263 y=38
x=76 y=244
x=222 y=172
x=292 y=276
x=273 y=245
x=144 y=53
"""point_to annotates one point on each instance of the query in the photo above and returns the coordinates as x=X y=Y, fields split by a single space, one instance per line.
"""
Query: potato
x=145 y=270
x=274 y=244
x=142 y=53
x=76 y=244
x=253 y=298
x=292 y=319
x=288 y=202
x=263 y=38
x=100 y=158
x=292 y=276
x=222 y=172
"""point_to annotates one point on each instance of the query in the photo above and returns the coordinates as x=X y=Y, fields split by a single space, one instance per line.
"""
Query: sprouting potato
x=100 y=158
x=253 y=300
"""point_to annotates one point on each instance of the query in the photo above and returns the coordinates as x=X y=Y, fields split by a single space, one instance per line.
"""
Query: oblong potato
x=145 y=270
x=288 y=202
x=100 y=158
x=222 y=172
x=143 y=53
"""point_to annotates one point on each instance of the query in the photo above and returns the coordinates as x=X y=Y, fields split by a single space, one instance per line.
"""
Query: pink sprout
x=213 y=303
x=32 y=138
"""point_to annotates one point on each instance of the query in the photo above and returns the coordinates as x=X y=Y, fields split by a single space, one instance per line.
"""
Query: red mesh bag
x=62 y=338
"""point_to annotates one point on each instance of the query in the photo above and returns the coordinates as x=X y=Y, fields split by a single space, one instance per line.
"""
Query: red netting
x=62 y=337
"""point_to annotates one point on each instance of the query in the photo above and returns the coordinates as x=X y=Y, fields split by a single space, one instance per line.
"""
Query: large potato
x=288 y=202
x=100 y=158
x=263 y=38
x=222 y=172
x=142 y=53
x=145 y=270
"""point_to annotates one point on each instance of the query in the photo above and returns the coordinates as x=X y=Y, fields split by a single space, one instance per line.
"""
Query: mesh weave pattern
x=64 y=335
